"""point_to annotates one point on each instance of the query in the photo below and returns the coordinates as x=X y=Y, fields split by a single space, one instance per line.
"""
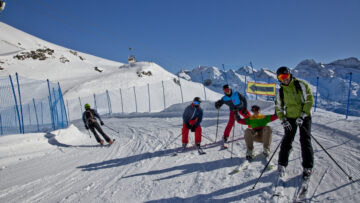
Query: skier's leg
x=185 y=134
x=267 y=137
x=198 y=135
x=249 y=139
x=99 y=129
x=229 y=125
x=307 y=152
x=92 y=128
x=286 y=145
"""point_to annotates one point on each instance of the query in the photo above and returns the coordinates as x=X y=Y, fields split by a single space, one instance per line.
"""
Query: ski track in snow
x=138 y=167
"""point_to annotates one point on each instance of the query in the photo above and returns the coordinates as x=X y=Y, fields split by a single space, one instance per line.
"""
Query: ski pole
x=172 y=141
x=262 y=172
x=350 y=178
x=111 y=129
x=232 y=144
x=89 y=133
x=217 y=125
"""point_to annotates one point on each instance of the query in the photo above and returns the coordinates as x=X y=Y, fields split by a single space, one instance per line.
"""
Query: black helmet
x=255 y=108
x=197 y=99
x=283 y=70
x=226 y=86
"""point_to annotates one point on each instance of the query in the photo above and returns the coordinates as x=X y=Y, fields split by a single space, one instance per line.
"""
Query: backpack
x=297 y=87
x=90 y=117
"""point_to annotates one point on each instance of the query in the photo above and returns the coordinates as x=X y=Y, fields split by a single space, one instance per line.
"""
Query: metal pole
x=21 y=110
x=36 y=116
x=163 y=93
x=316 y=95
x=149 y=97
x=203 y=84
x=349 y=94
x=16 y=105
x=182 y=98
x=109 y=102
x=122 y=106
x=135 y=99
x=95 y=101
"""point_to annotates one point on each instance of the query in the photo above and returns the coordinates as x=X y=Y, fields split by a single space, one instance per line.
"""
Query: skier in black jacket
x=89 y=118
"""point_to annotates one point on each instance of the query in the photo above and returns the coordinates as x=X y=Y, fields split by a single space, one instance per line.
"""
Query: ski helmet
x=87 y=106
x=226 y=87
x=283 y=70
x=197 y=99
x=255 y=108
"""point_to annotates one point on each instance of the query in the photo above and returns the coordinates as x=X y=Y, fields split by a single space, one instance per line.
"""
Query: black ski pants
x=307 y=152
x=96 y=126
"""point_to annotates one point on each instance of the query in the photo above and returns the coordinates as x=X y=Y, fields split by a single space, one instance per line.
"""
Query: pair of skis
x=244 y=165
x=300 y=193
x=182 y=150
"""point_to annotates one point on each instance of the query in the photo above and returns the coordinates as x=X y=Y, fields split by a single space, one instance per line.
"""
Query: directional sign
x=261 y=89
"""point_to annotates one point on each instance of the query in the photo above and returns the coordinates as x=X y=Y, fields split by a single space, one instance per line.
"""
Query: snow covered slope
x=68 y=166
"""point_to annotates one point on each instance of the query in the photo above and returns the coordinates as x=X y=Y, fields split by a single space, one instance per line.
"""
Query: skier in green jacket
x=293 y=106
x=258 y=131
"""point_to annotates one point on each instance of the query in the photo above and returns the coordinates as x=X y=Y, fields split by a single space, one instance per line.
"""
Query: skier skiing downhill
x=293 y=106
x=89 y=118
x=237 y=104
x=192 y=118
x=258 y=131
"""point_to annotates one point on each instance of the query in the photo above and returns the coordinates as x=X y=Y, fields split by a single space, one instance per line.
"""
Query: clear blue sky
x=187 y=33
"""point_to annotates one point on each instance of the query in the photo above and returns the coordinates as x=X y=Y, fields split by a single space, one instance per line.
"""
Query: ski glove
x=217 y=104
x=101 y=122
x=285 y=123
x=300 y=120
x=87 y=127
x=188 y=125
x=192 y=128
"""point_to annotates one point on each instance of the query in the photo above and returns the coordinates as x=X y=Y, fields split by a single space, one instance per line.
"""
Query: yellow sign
x=261 y=89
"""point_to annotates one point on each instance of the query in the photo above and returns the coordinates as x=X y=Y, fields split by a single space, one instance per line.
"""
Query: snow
x=67 y=165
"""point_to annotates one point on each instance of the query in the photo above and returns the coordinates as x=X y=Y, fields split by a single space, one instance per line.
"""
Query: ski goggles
x=226 y=90
x=284 y=76
x=196 y=103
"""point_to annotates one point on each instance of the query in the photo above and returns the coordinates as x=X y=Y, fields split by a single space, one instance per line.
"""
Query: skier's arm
x=185 y=117
x=279 y=107
x=243 y=110
x=308 y=97
x=199 y=119
x=97 y=115
x=219 y=103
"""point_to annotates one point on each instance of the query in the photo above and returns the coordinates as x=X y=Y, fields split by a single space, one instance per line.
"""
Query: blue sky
x=184 y=34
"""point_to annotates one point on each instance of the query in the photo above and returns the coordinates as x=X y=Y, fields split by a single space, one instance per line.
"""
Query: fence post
x=349 y=94
x=63 y=109
x=182 y=98
x=68 y=112
x=80 y=105
x=163 y=93
x=56 y=113
x=122 y=106
x=29 y=116
x=42 y=114
x=316 y=94
x=1 y=128
x=109 y=102
x=36 y=116
x=21 y=110
x=203 y=84
x=16 y=105
x=149 y=97
x=135 y=100
x=245 y=88
x=95 y=106
x=51 y=106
